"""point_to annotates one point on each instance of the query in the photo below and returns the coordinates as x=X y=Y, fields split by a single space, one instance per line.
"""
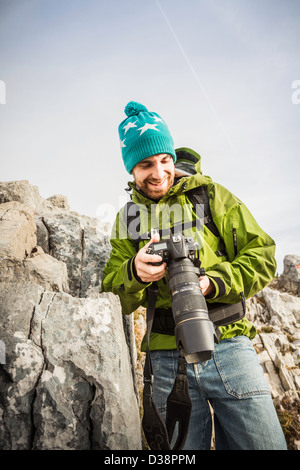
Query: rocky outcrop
x=290 y=279
x=67 y=372
x=276 y=316
x=18 y=233
x=275 y=311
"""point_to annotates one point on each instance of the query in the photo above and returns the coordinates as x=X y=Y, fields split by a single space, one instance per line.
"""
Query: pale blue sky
x=220 y=72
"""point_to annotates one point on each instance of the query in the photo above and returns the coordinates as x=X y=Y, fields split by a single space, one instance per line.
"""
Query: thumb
x=155 y=238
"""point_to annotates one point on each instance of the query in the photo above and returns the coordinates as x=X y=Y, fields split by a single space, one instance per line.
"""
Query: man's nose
x=158 y=171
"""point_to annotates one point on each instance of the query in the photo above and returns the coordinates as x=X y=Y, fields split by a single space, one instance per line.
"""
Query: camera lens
x=194 y=331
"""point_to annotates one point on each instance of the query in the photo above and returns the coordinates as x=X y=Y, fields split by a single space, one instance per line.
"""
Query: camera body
x=194 y=331
x=177 y=247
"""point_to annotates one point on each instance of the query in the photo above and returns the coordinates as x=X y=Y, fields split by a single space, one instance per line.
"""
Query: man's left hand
x=206 y=285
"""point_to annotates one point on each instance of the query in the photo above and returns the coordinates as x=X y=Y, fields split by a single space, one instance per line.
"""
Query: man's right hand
x=146 y=271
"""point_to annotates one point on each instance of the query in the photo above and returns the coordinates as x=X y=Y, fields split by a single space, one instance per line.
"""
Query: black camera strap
x=153 y=426
x=179 y=406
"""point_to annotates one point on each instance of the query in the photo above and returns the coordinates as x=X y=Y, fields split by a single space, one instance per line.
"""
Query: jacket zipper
x=234 y=241
x=234 y=236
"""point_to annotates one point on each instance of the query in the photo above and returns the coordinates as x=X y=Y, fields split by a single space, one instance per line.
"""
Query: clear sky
x=220 y=72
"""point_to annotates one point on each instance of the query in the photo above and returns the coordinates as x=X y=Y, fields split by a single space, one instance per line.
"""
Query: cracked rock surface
x=67 y=364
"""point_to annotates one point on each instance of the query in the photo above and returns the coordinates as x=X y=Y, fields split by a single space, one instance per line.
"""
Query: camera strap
x=179 y=406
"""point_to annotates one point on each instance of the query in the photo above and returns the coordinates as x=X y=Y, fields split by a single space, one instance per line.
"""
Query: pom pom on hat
x=133 y=108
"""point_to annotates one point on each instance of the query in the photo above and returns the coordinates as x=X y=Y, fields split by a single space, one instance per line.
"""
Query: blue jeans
x=232 y=381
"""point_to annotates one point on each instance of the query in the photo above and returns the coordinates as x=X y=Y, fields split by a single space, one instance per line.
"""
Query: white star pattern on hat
x=122 y=143
x=146 y=127
x=128 y=126
x=157 y=119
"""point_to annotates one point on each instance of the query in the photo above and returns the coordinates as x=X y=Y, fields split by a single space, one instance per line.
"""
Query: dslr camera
x=194 y=331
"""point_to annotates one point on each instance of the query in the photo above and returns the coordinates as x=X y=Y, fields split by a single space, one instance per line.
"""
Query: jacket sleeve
x=119 y=275
x=251 y=261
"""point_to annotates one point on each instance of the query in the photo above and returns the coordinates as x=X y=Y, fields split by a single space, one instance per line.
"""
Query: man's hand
x=206 y=285
x=145 y=271
x=149 y=273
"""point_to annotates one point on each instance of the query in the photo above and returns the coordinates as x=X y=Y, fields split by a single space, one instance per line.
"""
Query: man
x=238 y=261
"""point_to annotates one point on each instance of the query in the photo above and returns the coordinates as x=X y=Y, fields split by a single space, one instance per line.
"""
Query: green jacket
x=245 y=270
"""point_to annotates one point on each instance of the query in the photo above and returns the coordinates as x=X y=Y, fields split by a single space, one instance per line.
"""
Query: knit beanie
x=143 y=134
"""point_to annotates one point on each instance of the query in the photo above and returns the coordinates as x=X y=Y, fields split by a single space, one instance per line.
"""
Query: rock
x=82 y=398
x=23 y=363
x=60 y=201
x=290 y=278
x=41 y=269
x=80 y=243
x=65 y=372
x=276 y=317
x=67 y=369
x=21 y=191
x=18 y=230
x=283 y=309
x=277 y=338
x=65 y=241
x=48 y=272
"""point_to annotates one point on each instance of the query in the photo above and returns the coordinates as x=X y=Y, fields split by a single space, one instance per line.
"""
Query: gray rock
x=80 y=243
x=67 y=382
x=23 y=363
x=21 y=191
x=41 y=269
x=65 y=242
x=67 y=369
x=18 y=230
x=81 y=394
x=277 y=342
x=59 y=200
x=290 y=278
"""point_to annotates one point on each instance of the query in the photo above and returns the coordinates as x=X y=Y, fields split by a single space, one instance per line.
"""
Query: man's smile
x=158 y=184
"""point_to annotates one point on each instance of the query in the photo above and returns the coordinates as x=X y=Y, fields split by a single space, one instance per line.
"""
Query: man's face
x=155 y=175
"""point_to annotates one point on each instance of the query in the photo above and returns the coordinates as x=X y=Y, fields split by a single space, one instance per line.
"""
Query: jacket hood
x=188 y=163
